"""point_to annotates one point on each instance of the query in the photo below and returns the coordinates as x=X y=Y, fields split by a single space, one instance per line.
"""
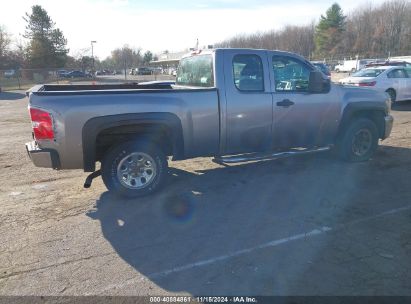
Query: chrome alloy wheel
x=136 y=170
x=361 y=142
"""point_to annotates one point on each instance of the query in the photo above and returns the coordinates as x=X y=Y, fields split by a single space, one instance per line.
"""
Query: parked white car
x=391 y=79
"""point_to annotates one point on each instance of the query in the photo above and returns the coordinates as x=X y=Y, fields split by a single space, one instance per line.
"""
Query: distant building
x=167 y=60
x=170 y=60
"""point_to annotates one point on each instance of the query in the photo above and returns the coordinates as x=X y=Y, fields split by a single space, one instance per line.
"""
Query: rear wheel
x=359 y=141
x=393 y=95
x=134 y=169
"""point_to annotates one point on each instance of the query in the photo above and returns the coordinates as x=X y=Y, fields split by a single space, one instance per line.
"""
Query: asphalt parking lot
x=304 y=226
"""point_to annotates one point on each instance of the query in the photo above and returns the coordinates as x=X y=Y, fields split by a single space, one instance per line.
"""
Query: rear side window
x=196 y=71
x=248 y=73
x=397 y=74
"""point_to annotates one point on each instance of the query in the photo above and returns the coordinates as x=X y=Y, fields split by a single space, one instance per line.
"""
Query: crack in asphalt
x=16 y=273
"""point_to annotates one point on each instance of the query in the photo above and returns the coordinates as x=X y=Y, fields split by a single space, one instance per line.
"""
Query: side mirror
x=317 y=83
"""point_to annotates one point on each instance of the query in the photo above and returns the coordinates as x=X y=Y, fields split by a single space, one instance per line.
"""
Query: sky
x=159 y=25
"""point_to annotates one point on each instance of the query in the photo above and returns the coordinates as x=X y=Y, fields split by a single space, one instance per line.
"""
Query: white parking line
x=240 y=252
x=274 y=243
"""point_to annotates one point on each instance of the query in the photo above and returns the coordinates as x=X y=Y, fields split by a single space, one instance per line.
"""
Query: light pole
x=92 y=53
x=125 y=64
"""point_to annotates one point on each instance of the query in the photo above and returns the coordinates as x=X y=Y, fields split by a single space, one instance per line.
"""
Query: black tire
x=393 y=95
x=359 y=140
x=119 y=157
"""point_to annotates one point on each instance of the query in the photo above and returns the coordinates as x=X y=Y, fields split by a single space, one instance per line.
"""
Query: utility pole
x=125 y=65
x=92 y=56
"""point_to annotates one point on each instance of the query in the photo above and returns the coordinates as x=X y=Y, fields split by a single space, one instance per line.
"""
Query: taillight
x=42 y=124
x=367 y=84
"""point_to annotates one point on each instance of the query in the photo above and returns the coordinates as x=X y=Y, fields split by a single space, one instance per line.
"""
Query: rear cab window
x=248 y=73
x=196 y=71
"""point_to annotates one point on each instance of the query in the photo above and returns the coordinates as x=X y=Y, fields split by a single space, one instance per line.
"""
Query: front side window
x=248 y=73
x=196 y=71
x=290 y=74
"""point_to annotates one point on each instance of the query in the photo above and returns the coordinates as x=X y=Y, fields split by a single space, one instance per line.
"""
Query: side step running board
x=259 y=156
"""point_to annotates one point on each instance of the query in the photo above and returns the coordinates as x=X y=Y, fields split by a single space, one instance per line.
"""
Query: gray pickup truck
x=236 y=105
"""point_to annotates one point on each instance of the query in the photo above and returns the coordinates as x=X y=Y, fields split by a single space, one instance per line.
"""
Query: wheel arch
x=391 y=89
x=131 y=125
x=375 y=111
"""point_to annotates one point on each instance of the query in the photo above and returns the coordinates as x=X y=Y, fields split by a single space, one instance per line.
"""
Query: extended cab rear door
x=248 y=101
x=301 y=118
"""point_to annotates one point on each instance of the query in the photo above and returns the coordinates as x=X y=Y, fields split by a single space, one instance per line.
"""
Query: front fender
x=365 y=103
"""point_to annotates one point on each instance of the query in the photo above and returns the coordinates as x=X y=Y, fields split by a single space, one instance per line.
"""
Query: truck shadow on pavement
x=189 y=237
x=11 y=95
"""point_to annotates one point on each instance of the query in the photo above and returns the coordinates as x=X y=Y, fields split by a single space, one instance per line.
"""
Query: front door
x=301 y=119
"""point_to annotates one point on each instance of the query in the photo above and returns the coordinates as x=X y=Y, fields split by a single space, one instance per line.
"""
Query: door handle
x=285 y=103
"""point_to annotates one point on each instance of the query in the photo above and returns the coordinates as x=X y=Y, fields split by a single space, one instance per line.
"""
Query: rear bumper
x=389 y=121
x=45 y=158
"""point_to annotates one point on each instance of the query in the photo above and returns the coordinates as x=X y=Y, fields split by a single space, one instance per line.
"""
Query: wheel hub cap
x=136 y=170
x=362 y=142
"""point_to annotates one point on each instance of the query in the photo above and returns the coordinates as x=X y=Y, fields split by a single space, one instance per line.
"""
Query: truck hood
x=351 y=94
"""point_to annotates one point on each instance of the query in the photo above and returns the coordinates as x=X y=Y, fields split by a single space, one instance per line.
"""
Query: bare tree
x=298 y=39
x=126 y=57
x=4 y=42
x=394 y=16
x=379 y=31
x=370 y=31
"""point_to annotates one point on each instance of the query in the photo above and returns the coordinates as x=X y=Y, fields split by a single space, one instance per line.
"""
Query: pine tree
x=47 y=46
x=328 y=33
x=148 y=56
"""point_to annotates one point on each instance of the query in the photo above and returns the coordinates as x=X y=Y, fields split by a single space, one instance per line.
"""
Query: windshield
x=368 y=73
x=196 y=71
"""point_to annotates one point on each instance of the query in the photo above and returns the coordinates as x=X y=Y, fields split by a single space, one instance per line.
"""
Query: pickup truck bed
x=156 y=85
x=83 y=129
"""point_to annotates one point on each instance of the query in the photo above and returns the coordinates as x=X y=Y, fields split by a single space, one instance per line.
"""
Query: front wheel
x=359 y=141
x=134 y=169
